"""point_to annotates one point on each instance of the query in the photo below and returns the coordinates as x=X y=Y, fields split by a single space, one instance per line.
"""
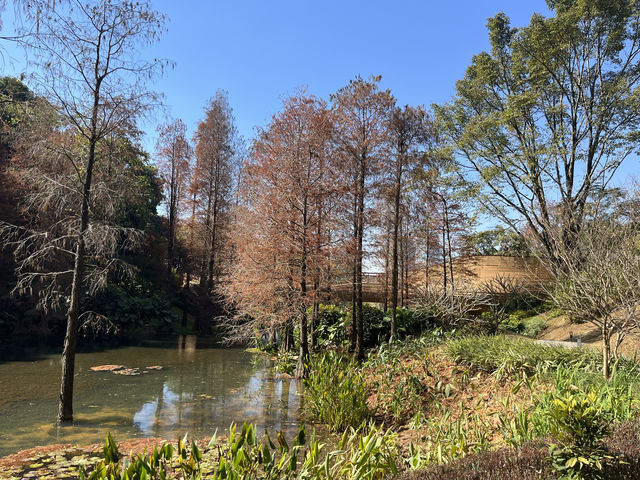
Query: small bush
x=332 y=325
x=579 y=425
x=376 y=326
x=534 y=326
x=286 y=362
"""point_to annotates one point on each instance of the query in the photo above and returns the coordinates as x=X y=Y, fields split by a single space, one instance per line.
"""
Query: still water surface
x=197 y=391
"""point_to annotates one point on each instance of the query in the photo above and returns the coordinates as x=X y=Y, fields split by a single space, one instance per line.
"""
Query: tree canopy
x=549 y=114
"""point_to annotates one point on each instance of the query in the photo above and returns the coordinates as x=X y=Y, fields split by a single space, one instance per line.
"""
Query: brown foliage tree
x=276 y=235
x=361 y=112
x=173 y=153
x=211 y=188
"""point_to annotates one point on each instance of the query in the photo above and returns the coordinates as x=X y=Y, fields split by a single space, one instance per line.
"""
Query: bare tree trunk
x=359 y=310
x=606 y=350
x=386 y=271
x=172 y=218
x=316 y=279
x=329 y=271
x=394 y=255
x=205 y=257
x=406 y=272
x=448 y=229
x=401 y=260
x=303 y=357
x=287 y=336
x=65 y=407
x=354 y=279
x=426 y=268
x=444 y=261
x=214 y=228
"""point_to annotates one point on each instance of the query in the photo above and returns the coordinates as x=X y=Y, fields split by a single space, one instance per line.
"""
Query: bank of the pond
x=474 y=403
x=197 y=391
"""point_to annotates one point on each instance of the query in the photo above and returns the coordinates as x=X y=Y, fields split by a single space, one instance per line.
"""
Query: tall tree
x=173 y=152
x=87 y=54
x=409 y=131
x=361 y=113
x=286 y=178
x=212 y=186
x=550 y=113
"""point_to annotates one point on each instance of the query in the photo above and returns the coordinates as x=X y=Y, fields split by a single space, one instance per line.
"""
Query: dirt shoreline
x=131 y=445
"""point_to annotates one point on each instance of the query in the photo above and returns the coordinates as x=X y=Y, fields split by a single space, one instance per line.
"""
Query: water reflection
x=198 y=391
x=187 y=345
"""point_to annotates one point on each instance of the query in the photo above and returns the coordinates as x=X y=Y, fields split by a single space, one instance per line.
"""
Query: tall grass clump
x=335 y=392
x=505 y=355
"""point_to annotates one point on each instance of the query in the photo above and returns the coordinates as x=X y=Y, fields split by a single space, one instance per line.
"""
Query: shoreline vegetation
x=442 y=405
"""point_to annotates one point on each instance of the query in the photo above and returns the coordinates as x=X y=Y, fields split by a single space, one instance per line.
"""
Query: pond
x=197 y=391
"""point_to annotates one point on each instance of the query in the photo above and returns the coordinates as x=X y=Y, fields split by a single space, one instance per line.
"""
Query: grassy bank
x=451 y=398
x=440 y=406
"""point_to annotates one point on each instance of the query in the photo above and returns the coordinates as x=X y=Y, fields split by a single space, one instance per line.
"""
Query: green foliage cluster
x=14 y=96
x=579 y=424
x=497 y=241
x=525 y=322
x=335 y=392
x=141 y=467
x=134 y=307
x=286 y=362
x=377 y=323
x=571 y=401
x=504 y=355
x=332 y=326
x=365 y=453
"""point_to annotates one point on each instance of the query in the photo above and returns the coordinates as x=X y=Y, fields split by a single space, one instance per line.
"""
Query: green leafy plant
x=286 y=362
x=142 y=467
x=505 y=356
x=335 y=392
x=363 y=453
x=579 y=425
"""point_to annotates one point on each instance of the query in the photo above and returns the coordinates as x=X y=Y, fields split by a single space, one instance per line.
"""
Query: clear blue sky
x=262 y=50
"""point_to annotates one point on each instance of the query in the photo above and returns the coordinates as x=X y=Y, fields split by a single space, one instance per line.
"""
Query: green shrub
x=579 y=424
x=376 y=326
x=526 y=322
x=335 y=392
x=332 y=325
x=286 y=362
x=408 y=322
x=534 y=326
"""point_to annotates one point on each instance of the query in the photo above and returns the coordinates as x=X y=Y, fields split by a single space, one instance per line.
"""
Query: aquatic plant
x=335 y=392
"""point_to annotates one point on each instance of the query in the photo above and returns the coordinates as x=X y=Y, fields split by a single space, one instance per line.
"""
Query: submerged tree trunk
x=65 y=407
